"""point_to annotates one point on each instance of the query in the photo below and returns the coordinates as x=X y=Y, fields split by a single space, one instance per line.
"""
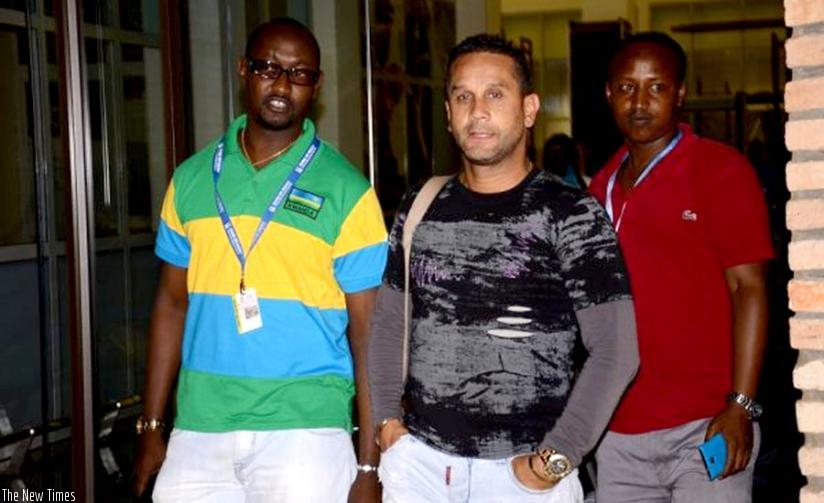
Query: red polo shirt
x=699 y=211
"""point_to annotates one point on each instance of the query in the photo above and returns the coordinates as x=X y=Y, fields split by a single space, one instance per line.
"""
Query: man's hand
x=390 y=433
x=736 y=427
x=365 y=489
x=151 y=451
x=525 y=475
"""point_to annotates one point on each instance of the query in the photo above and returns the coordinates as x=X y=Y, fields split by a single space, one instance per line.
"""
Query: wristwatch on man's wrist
x=556 y=465
x=752 y=407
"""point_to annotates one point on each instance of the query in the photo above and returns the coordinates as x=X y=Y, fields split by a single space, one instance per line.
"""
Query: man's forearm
x=386 y=355
x=165 y=340
x=608 y=332
x=361 y=307
x=749 y=301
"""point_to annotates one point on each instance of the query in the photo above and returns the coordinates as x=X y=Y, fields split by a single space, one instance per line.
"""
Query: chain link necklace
x=260 y=162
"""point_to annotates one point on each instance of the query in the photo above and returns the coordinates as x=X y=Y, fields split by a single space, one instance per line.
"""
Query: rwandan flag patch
x=304 y=203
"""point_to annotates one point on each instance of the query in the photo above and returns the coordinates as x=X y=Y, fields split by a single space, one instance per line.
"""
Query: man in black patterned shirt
x=508 y=267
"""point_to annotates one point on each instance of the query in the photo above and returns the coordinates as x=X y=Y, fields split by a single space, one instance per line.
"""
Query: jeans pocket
x=388 y=474
x=510 y=471
x=403 y=438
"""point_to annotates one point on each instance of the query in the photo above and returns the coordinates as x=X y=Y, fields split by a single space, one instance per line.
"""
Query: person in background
x=272 y=245
x=509 y=266
x=693 y=228
x=562 y=158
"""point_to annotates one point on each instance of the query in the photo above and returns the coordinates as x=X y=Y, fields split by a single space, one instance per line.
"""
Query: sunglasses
x=270 y=70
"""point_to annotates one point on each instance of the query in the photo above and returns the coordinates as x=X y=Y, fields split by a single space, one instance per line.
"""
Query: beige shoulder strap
x=419 y=206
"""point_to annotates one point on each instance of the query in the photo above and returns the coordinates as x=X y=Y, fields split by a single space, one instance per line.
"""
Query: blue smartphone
x=714 y=452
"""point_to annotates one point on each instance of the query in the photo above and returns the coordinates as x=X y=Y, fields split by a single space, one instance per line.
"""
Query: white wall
x=209 y=119
x=341 y=106
x=470 y=18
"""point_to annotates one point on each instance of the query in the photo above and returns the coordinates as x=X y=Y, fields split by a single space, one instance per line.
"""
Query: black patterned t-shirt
x=496 y=282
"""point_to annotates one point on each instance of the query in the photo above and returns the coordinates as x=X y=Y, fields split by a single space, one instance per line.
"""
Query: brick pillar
x=804 y=101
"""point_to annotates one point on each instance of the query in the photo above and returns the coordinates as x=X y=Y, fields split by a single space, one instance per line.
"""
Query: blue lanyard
x=231 y=233
x=647 y=170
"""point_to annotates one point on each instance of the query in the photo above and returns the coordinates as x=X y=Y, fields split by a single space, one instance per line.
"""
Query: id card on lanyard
x=246 y=304
x=647 y=170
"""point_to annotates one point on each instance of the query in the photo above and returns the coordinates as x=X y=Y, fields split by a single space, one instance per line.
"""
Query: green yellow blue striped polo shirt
x=326 y=239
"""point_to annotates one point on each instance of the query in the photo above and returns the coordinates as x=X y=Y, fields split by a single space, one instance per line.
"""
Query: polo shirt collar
x=687 y=139
x=291 y=157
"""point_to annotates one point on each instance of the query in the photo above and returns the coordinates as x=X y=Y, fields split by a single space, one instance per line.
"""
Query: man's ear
x=241 y=66
x=531 y=104
x=682 y=93
x=607 y=92
x=448 y=116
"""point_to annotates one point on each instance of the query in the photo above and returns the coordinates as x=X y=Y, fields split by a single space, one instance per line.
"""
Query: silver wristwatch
x=752 y=407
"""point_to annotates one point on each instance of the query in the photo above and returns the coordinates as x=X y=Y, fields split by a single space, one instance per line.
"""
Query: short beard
x=495 y=157
x=281 y=125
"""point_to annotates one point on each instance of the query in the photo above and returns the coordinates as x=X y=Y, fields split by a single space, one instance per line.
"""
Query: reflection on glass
x=130 y=53
x=131 y=15
x=137 y=155
x=13 y=4
x=145 y=270
x=51 y=48
x=411 y=42
x=419 y=117
x=20 y=397
x=110 y=343
x=127 y=170
x=125 y=109
x=17 y=189
x=60 y=184
x=105 y=197
x=145 y=172
x=98 y=12
x=20 y=388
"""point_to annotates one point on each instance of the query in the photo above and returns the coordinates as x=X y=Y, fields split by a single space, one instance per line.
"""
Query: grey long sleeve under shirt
x=500 y=287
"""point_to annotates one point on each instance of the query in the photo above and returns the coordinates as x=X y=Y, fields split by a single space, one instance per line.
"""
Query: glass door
x=127 y=174
x=128 y=177
x=33 y=349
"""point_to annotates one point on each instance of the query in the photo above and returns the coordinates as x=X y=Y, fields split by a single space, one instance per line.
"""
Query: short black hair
x=484 y=42
x=281 y=22
x=659 y=39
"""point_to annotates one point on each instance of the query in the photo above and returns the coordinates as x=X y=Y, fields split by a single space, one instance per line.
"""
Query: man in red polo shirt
x=692 y=224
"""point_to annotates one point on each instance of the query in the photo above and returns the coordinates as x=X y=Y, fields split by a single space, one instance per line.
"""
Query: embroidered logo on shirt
x=689 y=216
x=304 y=203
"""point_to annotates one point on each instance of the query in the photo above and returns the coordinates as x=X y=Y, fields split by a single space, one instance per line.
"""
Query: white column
x=208 y=119
x=340 y=109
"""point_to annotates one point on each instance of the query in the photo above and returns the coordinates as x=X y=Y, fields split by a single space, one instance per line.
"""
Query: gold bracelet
x=153 y=424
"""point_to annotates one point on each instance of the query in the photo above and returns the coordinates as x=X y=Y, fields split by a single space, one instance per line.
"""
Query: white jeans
x=286 y=466
x=411 y=471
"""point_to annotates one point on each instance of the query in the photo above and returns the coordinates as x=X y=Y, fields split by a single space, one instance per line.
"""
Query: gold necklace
x=261 y=161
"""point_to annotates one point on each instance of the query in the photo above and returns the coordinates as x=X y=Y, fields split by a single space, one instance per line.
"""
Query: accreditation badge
x=247 y=311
